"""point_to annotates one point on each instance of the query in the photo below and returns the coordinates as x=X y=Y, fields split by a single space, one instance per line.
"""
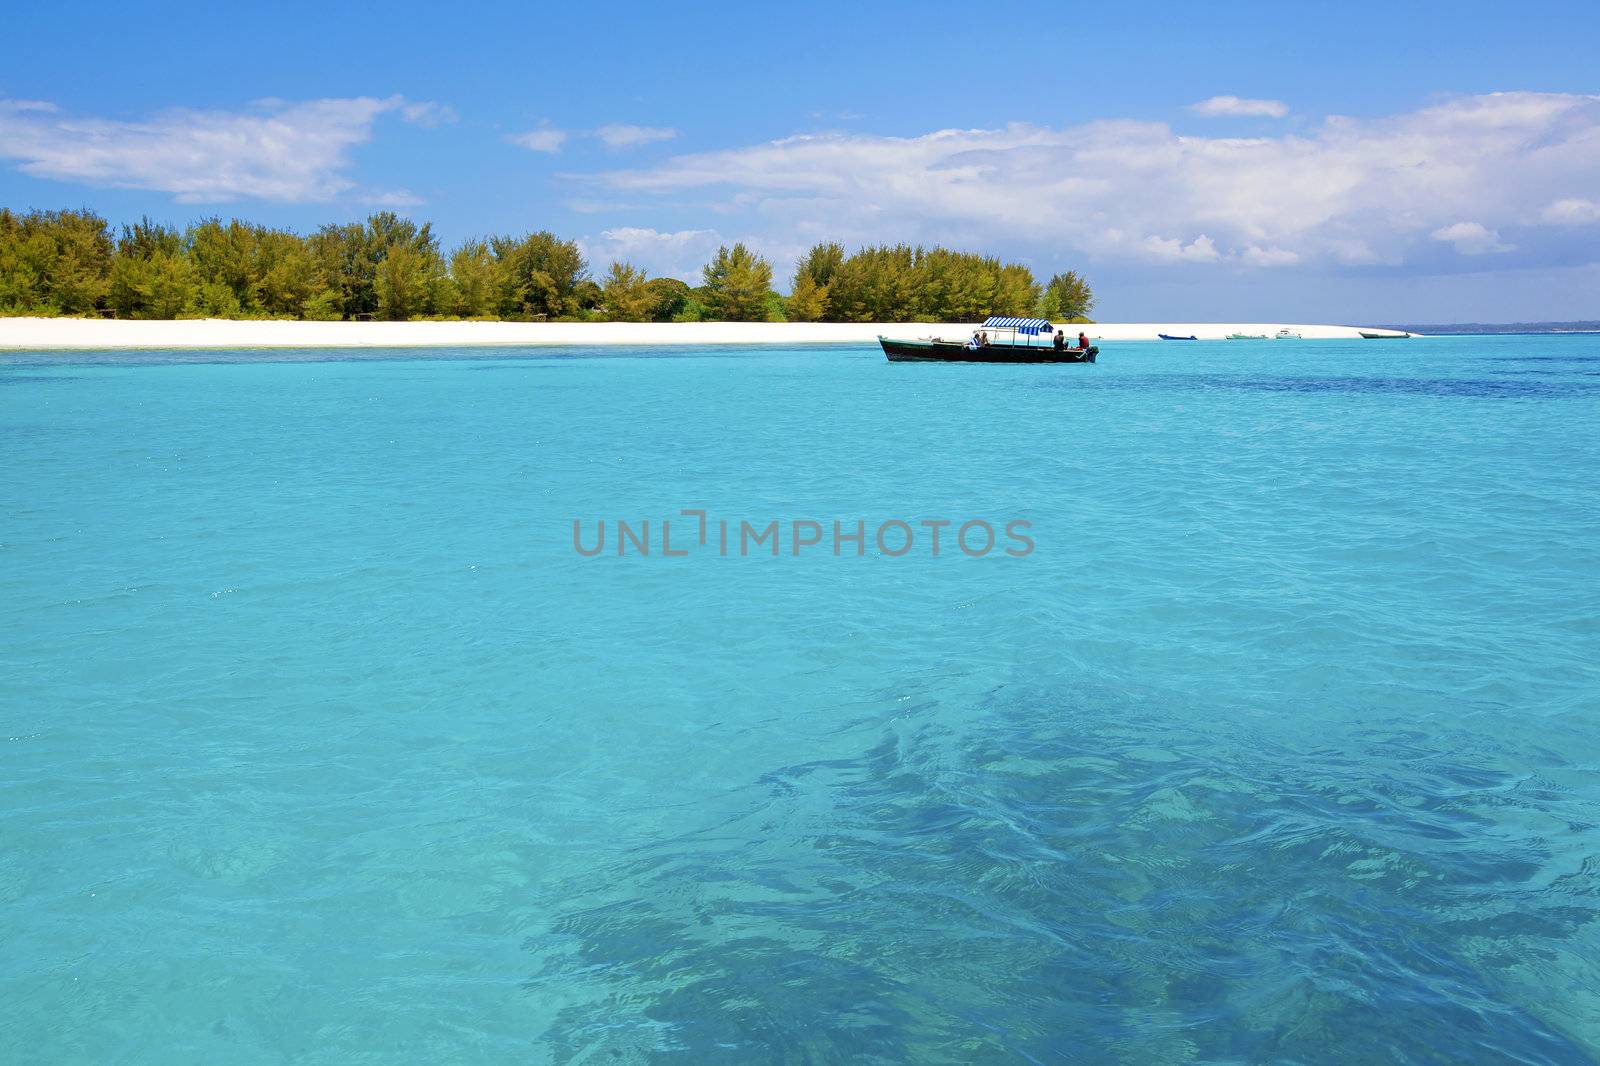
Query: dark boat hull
x=956 y=352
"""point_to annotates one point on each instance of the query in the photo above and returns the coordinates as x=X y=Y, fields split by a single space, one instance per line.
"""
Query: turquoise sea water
x=319 y=743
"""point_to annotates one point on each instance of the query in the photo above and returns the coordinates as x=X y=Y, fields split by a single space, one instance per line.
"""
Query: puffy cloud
x=1572 y=211
x=1471 y=238
x=544 y=139
x=676 y=254
x=274 y=150
x=1351 y=193
x=1200 y=250
x=621 y=135
x=1218 y=106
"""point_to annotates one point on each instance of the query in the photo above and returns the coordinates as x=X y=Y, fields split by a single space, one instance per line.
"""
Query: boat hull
x=956 y=352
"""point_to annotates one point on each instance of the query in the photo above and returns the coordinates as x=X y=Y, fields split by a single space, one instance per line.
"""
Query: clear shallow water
x=319 y=743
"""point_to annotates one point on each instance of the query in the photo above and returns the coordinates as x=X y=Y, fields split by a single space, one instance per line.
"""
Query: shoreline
x=89 y=334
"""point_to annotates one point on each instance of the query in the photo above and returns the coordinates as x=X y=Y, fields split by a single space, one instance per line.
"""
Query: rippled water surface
x=320 y=744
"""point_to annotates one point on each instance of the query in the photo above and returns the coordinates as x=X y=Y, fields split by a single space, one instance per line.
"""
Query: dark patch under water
x=1086 y=898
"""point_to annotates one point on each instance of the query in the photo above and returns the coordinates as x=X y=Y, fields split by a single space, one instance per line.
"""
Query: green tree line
x=901 y=283
x=391 y=268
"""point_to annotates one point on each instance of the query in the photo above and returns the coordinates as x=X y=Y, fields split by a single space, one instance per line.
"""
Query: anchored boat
x=1170 y=337
x=1015 y=340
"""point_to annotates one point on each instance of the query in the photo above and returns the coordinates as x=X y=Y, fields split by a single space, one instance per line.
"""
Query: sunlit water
x=319 y=743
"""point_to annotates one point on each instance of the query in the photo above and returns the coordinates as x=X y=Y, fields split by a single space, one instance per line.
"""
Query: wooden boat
x=1247 y=336
x=1169 y=337
x=1009 y=346
x=934 y=350
x=1382 y=336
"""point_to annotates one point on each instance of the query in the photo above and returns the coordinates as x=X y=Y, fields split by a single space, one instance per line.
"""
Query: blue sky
x=1357 y=162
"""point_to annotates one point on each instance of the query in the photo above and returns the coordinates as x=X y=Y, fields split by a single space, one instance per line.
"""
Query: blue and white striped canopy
x=1030 y=326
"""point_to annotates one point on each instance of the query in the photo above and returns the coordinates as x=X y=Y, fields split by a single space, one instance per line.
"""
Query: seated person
x=1061 y=340
x=1083 y=341
x=973 y=343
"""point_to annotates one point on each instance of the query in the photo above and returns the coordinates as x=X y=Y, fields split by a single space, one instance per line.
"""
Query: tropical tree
x=538 y=276
x=474 y=280
x=349 y=257
x=21 y=283
x=1015 y=292
x=627 y=295
x=587 y=295
x=738 y=285
x=151 y=277
x=821 y=263
x=224 y=254
x=82 y=260
x=809 y=296
x=808 y=301
x=669 y=298
x=54 y=261
x=876 y=284
x=405 y=282
x=1067 y=296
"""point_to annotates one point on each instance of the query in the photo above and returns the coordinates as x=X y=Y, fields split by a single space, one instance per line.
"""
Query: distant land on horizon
x=1503 y=327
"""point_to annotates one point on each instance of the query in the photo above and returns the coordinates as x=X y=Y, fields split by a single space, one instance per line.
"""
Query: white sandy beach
x=85 y=333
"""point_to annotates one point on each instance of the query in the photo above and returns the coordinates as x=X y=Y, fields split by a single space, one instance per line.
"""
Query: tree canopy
x=627 y=294
x=902 y=283
x=390 y=267
x=1067 y=296
x=738 y=286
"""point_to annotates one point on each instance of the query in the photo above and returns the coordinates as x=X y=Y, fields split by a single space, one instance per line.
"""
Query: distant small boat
x=1169 y=337
x=1286 y=335
x=1382 y=336
x=1247 y=336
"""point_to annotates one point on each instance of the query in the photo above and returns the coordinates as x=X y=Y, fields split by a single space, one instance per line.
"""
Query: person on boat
x=1061 y=340
x=1083 y=341
x=983 y=339
x=973 y=343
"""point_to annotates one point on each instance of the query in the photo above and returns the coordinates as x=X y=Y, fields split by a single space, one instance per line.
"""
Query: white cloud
x=1353 y=251
x=544 y=139
x=390 y=198
x=275 y=150
x=1572 y=211
x=1218 y=106
x=428 y=114
x=676 y=254
x=1269 y=257
x=1471 y=238
x=1349 y=193
x=621 y=135
x=547 y=138
x=1170 y=249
